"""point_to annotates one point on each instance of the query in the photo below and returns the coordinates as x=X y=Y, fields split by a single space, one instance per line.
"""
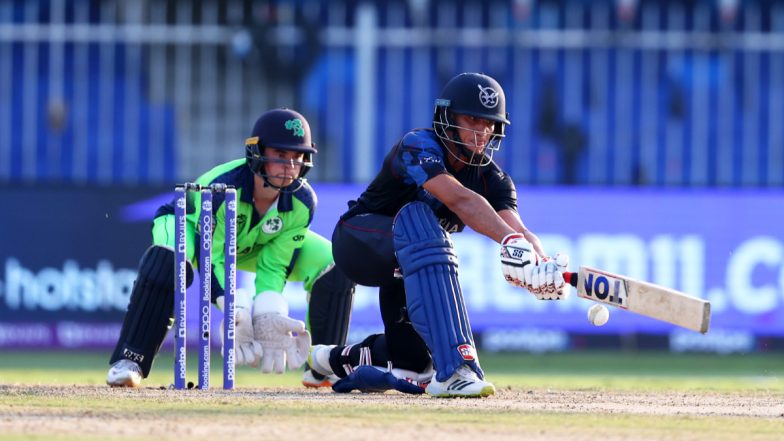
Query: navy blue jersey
x=418 y=157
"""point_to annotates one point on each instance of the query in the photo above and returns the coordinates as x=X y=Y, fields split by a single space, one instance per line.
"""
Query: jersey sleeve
x=418 y=159
x=502 y=195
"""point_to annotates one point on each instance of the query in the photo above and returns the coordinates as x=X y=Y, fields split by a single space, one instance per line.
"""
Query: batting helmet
x=473 y=94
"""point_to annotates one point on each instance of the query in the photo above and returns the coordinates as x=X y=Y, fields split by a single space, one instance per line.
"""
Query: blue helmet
x=282 y=129
x=477 y=95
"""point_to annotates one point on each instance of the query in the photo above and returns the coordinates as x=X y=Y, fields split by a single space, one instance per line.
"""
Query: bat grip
x=570 y=278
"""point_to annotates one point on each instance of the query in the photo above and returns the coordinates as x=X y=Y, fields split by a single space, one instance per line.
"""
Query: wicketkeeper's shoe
x=311 y=378
x=318 y=359
x=124 y=373
x=463 y=383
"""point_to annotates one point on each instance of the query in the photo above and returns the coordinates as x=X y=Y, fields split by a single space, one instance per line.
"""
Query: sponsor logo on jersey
x=429 y=160
x=241 y=219
x=272 y=225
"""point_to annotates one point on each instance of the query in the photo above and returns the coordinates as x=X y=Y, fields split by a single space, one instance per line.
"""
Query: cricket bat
x=658 y=302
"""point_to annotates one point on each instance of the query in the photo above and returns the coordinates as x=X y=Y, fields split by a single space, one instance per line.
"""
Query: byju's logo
x=488 y=96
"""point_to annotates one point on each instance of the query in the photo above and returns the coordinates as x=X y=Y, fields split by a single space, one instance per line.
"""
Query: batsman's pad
x=329 y=307
x=150 y=308
x=433 y=296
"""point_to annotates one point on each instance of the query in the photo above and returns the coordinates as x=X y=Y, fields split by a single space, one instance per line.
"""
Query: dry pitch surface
x=98 y=412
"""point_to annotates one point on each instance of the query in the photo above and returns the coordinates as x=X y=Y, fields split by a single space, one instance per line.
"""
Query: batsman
x=397 y=236
x=274 y=211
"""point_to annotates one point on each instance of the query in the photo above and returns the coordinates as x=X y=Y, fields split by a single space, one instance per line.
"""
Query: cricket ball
x=598 y=315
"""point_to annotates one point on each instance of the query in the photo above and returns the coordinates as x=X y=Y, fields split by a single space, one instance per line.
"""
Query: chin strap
x=293 y=188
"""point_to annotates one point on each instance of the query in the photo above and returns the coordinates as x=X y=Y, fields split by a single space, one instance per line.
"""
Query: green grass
x=638 y=371
x=611 y=370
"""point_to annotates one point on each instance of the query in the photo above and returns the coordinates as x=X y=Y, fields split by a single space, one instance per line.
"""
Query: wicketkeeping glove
x=246 y=349
x=273 y=328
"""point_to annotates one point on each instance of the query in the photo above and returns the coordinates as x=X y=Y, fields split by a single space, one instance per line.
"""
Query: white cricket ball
x=598 y=315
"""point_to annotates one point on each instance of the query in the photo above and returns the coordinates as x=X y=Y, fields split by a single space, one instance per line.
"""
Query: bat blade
x=654 y=301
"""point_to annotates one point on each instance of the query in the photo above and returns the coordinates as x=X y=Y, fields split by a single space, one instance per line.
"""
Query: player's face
x=474 y=132
x=283 y=166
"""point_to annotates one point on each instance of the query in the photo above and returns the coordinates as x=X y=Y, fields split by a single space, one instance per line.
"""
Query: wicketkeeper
x=274 y=212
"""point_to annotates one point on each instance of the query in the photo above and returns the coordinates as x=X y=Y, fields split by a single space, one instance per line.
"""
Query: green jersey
x=268 y=244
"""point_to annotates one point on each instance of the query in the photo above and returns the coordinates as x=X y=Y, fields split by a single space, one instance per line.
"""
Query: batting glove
x=518 y=259
x=547 y=282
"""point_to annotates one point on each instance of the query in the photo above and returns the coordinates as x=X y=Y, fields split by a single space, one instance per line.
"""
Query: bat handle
x=570 y=278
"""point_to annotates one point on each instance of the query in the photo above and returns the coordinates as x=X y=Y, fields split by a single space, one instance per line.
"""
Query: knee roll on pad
x=433 y=295
x=329 y=307
x=150 y=308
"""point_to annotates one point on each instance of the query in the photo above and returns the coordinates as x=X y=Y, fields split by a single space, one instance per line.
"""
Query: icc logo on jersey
x=272 y=225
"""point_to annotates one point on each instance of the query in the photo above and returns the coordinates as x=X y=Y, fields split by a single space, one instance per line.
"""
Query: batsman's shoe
x=318 y=359
x=124 y=373
x=311 y=378
x=463 y=383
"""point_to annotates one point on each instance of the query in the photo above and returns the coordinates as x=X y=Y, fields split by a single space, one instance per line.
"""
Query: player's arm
x=512 y=218
x=272 y=326
x=470 y=207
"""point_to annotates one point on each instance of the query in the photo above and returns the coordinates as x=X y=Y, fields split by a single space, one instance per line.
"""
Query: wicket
x=205 y=280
